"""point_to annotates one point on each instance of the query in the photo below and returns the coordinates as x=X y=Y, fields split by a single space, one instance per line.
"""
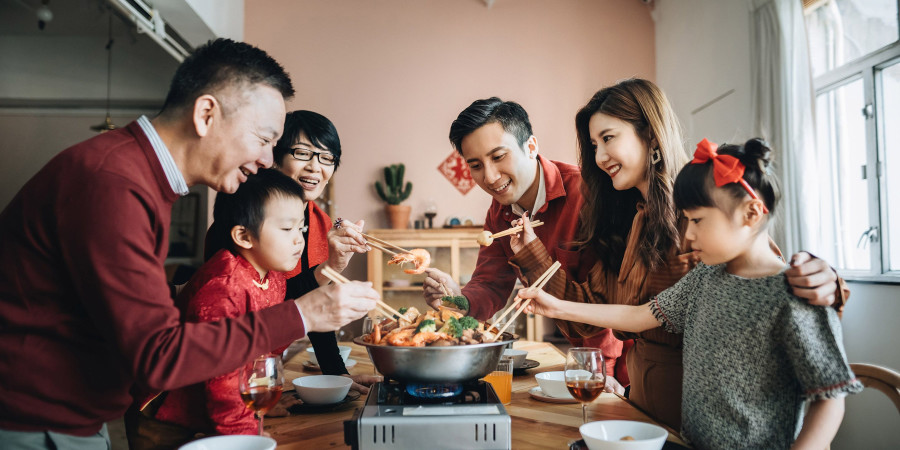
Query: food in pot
x=444 y=327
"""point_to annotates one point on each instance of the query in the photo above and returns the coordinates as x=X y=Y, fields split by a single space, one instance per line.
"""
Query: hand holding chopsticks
x=385 y=309
x=539 y=283
x=383 y=245
x=485 y=238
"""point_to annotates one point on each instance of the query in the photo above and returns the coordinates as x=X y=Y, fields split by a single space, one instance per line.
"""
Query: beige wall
x=393 y=74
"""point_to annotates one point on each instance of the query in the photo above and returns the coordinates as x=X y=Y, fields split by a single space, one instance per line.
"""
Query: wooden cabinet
x=452 y=250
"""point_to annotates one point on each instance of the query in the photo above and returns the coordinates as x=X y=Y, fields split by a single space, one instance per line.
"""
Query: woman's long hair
x=607 y=214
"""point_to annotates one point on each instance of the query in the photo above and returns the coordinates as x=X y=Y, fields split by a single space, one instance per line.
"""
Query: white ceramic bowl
x=231 y=442
x=322 y=389
x=553 y=384
x=518 y=356
x=608 y=434
x=344 y=349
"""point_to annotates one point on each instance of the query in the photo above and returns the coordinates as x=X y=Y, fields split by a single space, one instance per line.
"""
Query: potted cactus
x=393 y=192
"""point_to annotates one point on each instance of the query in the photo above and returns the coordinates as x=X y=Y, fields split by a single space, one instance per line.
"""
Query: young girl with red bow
x=753 y=352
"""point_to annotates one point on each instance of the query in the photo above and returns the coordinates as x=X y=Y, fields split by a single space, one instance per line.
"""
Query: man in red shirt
x=85 y=309
x=496 y=140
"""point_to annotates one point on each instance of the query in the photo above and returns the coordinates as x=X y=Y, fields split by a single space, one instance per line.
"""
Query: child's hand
x=811 y=278
x=343 y=242
x=541 y=302
x=519 y=240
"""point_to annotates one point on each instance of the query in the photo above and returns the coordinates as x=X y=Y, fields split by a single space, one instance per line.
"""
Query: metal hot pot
x=452 y=364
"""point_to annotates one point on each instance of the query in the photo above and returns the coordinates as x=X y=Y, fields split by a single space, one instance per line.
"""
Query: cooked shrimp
x=376 y=334
x=424 y=338
x=400 y=338
x=418 y=256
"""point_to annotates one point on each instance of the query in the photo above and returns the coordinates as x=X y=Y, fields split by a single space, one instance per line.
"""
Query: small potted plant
x=393 y=193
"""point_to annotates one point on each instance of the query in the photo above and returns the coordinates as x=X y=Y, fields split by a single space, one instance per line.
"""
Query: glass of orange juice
x=501 y=379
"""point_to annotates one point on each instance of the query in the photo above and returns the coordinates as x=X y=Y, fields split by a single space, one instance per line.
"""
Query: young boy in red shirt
x=264 y=222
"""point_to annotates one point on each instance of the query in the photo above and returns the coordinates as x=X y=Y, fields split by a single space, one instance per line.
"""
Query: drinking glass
x=585 y=375
x=261 y=383
x=501 y=379
x=368 y=327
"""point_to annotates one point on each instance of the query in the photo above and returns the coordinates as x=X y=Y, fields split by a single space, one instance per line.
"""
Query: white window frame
x=868 y=69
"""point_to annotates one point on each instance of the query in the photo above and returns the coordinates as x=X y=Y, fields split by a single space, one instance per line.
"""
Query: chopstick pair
x=384 y=309
x=383 y=245
x=539 y=283
x=515 y=229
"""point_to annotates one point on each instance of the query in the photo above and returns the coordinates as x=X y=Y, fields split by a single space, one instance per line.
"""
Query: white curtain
x=783 y=108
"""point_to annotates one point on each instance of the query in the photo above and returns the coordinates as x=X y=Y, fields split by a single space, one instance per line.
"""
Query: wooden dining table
x=535 y=423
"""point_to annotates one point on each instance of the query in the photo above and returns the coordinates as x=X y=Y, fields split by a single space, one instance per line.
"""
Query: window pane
x=841 y=154
x=842 y=30
x=890 y=94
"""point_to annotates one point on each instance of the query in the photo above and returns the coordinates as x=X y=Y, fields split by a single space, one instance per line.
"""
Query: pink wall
x=393 y=74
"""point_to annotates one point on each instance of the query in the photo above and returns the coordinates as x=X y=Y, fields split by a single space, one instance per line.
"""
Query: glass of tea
x=261 y=383
x=501 y=379
x=585 y=375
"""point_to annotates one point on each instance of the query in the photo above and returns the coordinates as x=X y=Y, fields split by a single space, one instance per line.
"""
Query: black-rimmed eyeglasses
x=305 y=154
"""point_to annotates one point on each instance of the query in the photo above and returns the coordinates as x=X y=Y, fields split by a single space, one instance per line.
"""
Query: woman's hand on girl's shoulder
x=813 y=279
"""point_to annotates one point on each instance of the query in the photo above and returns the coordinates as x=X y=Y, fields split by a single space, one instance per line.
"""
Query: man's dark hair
x=317 y=128
x=510 y=115
x=247 y=207
x=222 y=63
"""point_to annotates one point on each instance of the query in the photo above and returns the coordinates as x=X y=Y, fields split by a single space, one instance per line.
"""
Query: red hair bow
x=726 y=168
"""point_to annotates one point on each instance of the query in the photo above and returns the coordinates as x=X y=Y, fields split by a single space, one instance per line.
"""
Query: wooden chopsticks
x=515 y=229
x=539 y=284
x=383 y=245
x=385 y=309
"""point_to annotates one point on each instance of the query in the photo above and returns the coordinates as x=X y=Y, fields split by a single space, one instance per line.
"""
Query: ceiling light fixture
x=108 y=125
x=44 y=15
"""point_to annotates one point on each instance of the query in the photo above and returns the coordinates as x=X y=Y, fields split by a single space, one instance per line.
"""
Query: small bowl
x=231 y=442
x=518 y=356
x=553 y=384
x=322 y=389
x=608 y=434
x=345 y=353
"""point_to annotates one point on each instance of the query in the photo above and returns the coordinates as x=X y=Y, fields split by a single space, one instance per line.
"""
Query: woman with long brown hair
x=632 y=238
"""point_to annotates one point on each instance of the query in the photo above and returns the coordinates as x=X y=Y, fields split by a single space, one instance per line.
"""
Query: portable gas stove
x=441 y=416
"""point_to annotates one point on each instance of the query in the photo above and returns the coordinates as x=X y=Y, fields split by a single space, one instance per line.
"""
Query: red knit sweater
x=85 y=311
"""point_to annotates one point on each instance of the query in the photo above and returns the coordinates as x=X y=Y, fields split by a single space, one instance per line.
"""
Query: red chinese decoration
x=455 y=170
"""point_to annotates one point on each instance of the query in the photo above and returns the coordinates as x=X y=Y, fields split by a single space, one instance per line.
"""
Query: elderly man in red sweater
x=85 y=309
x=496 y=140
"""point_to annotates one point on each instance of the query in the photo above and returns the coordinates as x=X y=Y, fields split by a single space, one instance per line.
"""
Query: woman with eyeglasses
x=309 y=152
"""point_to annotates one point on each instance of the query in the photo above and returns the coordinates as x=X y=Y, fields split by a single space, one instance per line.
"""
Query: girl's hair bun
x=757 y=154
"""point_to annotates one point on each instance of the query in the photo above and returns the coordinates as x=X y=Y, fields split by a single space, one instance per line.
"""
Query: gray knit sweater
x=753 y=353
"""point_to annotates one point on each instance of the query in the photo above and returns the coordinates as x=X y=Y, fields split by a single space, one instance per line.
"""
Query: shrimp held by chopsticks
x=418 y=256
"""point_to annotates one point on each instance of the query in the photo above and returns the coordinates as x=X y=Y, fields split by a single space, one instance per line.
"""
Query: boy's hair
x=220 y=64
x=694 y=186
x=510 y=115
x=246 y=207
x=607 y=214
x=320 y=131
